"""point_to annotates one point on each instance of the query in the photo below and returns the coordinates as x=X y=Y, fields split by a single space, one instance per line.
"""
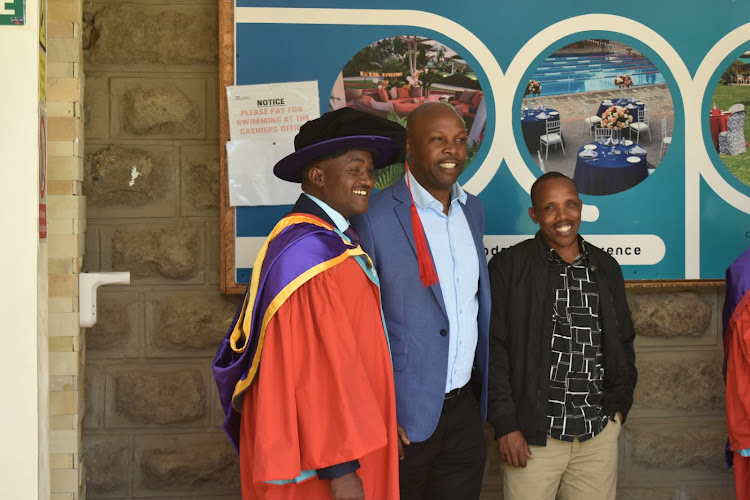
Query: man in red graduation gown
x=737 y=370
x=314 y=417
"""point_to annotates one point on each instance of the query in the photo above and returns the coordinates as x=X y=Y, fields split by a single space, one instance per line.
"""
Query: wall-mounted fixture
x=87 y=285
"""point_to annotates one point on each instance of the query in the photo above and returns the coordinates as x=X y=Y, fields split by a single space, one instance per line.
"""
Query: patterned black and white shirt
x=577 y=370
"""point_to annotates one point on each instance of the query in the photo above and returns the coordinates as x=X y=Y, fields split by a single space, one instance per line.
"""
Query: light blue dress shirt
x=341 y=223
x=455 y=256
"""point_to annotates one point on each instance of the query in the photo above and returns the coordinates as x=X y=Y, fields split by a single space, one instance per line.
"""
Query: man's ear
x=532 y=214
x=316 y=175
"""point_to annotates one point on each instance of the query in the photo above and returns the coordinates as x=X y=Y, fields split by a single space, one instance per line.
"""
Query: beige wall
x=23 y=363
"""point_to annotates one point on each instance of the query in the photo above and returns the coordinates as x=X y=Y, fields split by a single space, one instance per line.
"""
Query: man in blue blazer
x=424 y=235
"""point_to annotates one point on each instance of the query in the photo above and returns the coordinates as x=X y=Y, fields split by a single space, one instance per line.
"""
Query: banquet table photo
x=534 y=125
x=609 y=168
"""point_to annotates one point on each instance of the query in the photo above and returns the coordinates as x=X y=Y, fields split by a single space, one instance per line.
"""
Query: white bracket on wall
x=87 y=285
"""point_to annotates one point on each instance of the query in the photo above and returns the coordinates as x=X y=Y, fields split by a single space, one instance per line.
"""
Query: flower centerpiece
x=415 y=89
x=623 y=81
x=616 y=117
x=533 y=88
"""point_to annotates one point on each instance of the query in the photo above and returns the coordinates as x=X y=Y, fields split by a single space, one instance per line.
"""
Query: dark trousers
x=449 y=464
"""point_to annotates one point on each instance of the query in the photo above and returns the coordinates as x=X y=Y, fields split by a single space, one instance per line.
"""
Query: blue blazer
x=415 y=316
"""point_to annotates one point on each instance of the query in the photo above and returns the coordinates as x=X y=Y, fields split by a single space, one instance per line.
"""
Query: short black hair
x=547 y=177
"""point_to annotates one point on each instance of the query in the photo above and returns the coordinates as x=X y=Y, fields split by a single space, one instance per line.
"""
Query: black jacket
x=523 y=284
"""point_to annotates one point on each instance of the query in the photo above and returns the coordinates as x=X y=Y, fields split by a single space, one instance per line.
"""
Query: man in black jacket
x=562 y=366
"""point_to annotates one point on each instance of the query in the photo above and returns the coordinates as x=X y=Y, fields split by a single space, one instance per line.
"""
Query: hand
x=513 y=449
x=620 y=419
x=403 y=439
x=348 y=487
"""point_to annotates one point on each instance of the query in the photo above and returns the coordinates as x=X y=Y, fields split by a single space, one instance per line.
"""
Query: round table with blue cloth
x=627 y=103
x=609 y=173
x=533 y=128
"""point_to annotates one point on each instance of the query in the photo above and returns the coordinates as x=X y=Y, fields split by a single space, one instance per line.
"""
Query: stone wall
x=151 y=175
x=66 y=229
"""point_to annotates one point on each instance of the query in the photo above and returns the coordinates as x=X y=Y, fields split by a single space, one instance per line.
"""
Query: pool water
x=584 y=73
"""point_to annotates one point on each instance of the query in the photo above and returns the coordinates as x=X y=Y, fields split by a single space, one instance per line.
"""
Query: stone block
x=59 y=30
x=659 y=451
x=64 y=168
x=158 y=108
x=64 y=246
x=136 y=34
x=62 y=128
x=64 y=11
x=63 y=285
x=121 y=182
x=181 y=463
x=63 y=89
x=64 y=324
x=64 y=441
x=155 y=253
x=60 y=187
x=59 y=383
x=647 y=494
x=66 y=207
x=151 y=396
x=64 y=50
x=96 y=108
x=107 y=462
x=680 y=384
x=63 y=344
x=60 y=109
x=61 y=148
x=63 y=403
x=61 y=461
x=707 y=492
x=63 y=480
x=187 y=323
x=64 y=363
x=670 y=314
x=117 y=331
x=200 y=167
x=95 y=382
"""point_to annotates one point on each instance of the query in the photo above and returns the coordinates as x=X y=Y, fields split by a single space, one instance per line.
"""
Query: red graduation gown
x=324 y=392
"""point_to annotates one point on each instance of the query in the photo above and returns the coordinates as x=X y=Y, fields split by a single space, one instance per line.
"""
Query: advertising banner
x=649 y=98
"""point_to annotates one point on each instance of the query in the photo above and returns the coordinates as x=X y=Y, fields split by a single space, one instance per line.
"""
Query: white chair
x=541 y=162
x=736 y=107
x=732 y=142
x=553 y=136
x=642 y=125
x=665 y=140
x=590 y=121
x=602 y=133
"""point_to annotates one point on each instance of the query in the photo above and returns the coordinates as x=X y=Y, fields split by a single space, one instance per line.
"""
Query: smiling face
x=343 y=182
x=557 y=210
x=436 y=145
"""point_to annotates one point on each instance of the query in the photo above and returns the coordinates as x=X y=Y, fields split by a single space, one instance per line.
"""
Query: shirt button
x=443 y=332
x=460 y=311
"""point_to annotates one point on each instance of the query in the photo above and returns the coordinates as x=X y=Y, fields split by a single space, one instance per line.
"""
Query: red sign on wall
x=42 y=175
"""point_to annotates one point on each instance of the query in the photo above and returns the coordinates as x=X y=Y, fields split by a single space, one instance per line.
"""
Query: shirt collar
x=580 y=259
x=339 y=220
x=423 y=199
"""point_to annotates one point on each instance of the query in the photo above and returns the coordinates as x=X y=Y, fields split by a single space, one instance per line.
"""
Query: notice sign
x=272 y=111
x=263 y=121
x=12 y=12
